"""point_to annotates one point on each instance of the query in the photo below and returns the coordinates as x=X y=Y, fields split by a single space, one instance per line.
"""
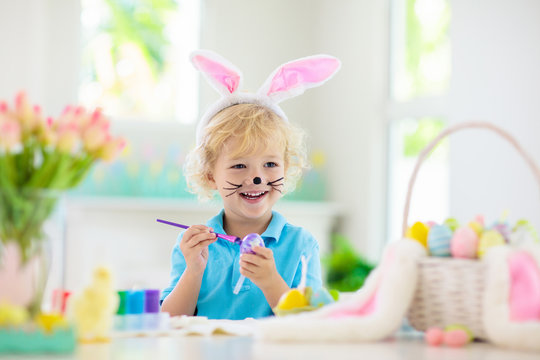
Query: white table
x=246 y=348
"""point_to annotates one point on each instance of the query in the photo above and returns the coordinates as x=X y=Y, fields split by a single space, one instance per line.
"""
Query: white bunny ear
x=293 y=78
x=219 y=72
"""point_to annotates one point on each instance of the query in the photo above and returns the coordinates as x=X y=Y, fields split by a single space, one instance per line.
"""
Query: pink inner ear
x=227 y=77
x=524 y=299
x=365 y=309
x=371 y=305
x=306 y=71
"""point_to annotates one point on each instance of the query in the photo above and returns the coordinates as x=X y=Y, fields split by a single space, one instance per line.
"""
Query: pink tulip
x=68 y=139
x=81 y=117
x=25 y=113
x=112 y=148
x=10 y=135
x=94 y=137
x=98 y=119
x=47 y=136
x=67 y=116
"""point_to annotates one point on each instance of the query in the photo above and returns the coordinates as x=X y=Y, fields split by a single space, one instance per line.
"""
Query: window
x=135 y=58
x=420 y=74
x=135 y=66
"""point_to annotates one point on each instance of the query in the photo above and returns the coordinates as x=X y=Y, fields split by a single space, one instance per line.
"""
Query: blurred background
x=409 y=69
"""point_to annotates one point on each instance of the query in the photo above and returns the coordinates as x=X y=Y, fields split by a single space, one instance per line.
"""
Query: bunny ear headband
x=288 y=80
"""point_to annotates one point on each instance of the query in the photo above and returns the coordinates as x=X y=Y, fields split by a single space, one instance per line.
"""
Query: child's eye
x=270 y=164
x=238 y=166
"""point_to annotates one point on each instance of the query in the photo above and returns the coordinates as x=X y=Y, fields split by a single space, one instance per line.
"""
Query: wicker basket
x=450 y=291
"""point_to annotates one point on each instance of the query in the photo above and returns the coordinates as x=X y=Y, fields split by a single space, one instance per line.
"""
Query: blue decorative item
x=439 y=238
x=320 y=297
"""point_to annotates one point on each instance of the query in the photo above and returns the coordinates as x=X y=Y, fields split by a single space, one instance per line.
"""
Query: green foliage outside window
x=142 y=23
x=424 y=65
x=418 y=136
x=128 y=64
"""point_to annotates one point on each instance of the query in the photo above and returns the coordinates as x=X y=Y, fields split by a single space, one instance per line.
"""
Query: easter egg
x=456 y=338
x=292 y=299
x=489 y=239
x=320 y=297
x=468 y=331
x=477 y=227
x=452 y=223
x=418 y=232
x=249 y=241
x=439 y=238
x=503 y=228
x=464 y=243
x=434 y=336
x=480 y=220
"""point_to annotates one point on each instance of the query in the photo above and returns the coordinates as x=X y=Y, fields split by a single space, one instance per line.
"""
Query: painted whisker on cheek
x=232 y=193
x=274 y=185
x=235 y=188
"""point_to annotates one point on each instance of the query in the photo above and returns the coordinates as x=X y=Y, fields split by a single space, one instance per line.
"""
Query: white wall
x=495 y=77
x=39 y=51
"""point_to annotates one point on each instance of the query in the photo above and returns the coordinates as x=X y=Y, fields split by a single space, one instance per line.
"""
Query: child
x=251 y=155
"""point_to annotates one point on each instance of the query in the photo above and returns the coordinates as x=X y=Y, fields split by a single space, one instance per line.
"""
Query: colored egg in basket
x=503 y=228
x=488 y=239
x=464 y=243
x=470 y=241
x=419 y=232
x=439 y=238
x=452 y=223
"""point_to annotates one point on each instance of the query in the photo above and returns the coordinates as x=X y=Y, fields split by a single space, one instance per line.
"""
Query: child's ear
x=211 y=181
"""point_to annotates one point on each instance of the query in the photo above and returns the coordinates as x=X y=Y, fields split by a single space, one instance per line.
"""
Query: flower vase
x=40 y=157
x=31 y=251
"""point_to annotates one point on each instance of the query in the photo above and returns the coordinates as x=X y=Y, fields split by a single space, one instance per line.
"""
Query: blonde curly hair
x=257 y=127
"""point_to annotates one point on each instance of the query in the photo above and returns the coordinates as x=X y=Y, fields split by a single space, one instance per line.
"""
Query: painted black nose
x=257 y=180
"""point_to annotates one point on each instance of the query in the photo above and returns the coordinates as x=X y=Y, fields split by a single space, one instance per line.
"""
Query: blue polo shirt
x=216 y=298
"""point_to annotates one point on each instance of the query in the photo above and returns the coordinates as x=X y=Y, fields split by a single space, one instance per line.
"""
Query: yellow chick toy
x=94 y=308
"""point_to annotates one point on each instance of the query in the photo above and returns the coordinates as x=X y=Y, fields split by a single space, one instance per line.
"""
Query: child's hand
x=194 y=247
x=260 y=267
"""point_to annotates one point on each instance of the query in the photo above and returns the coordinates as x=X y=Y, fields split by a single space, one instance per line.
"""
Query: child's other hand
x=194 y=247
x=260 y=267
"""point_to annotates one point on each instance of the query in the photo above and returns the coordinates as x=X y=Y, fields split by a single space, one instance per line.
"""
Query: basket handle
x=452 y=129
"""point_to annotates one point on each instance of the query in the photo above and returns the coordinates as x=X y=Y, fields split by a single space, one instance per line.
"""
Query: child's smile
x=253 y=196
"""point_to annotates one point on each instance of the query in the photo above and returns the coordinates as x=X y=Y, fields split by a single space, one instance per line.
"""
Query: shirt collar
x=273 y=231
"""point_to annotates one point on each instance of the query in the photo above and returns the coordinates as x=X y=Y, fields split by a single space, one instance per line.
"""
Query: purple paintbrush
x=231 y=238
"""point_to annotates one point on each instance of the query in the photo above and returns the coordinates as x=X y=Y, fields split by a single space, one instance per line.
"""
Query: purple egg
x=249 y=241
x=503 y=228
